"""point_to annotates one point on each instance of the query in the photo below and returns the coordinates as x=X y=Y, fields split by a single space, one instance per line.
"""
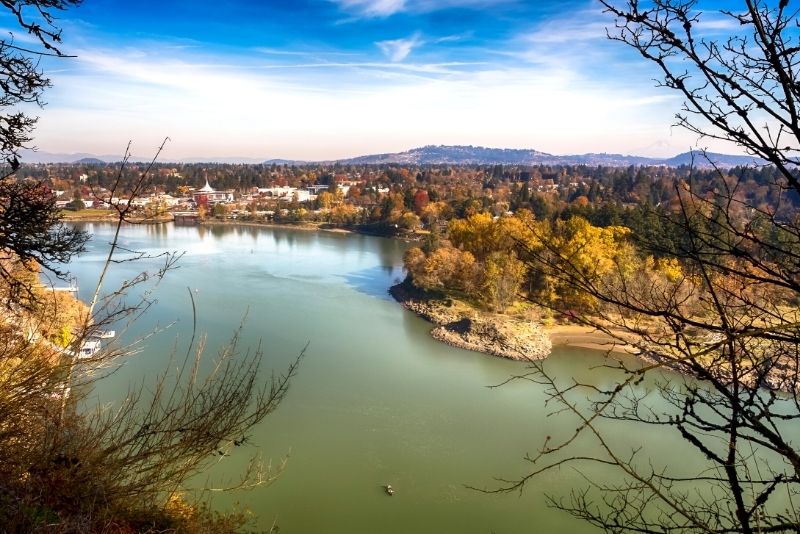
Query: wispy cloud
x=387 y=8
x=398 y=49
x=12 y=36
x=454 y=38
x=281 y=52
x=574 y=27
x=573 y=45
x=711 y=23
x=371 y=8
x=555 y=84
x=254 y=107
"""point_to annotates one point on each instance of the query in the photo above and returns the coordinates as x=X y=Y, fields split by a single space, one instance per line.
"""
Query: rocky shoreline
x=498 y=335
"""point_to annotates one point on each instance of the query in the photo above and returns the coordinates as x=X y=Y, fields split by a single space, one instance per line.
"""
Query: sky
x=329 y=79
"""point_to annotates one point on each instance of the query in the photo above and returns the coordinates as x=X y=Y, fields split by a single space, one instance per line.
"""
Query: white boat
x=90 y=348
x=104 y=334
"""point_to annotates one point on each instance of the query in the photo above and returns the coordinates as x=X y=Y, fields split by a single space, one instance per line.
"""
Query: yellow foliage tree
x=503 y=276
x=325 y=200
x=482 y=234
x=477 y=234
x=590 y=250
x=444 y=268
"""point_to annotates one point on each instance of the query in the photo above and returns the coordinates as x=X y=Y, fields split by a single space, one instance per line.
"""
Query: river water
x=376 y=401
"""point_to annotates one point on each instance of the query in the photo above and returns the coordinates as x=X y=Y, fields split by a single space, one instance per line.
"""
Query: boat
x=90 y=348
x=389 y=489
x=104 y=334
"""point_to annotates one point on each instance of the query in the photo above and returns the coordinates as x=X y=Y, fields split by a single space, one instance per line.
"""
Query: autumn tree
x=502 y=277
x=421 y=200
x=344 y=214
x=31 y=233
x=477 y=234
x=593 y=251
x=219 y=211
x=444 y=268
x=480 y=258
x=720 y=307
x=325 y=200
x=409 y=221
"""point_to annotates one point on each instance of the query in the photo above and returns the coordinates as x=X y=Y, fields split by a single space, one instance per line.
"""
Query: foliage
x=219 y=211
x=487 y=258
x=502 y=278
x=445 y=268
x=30 y=232
x=592 y=251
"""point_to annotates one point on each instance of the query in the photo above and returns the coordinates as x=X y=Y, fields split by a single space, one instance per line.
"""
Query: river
x=376 y=401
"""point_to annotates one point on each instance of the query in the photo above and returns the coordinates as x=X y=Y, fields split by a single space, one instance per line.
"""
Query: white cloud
x=399 y=49
x=372 y=8
x=209 y=107
x=559 y=87
x=387 y=8
x=454 y=38
x=712 y=23
x=17 y=36
x=576 y=29
x=427 y=6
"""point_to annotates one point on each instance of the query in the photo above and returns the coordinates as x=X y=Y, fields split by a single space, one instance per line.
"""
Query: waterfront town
x=386 y=198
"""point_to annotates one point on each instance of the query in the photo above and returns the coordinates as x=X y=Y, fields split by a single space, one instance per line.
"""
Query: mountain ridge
x=442 y=155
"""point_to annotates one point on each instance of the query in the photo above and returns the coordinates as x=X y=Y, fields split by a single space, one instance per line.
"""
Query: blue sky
x=320 y=79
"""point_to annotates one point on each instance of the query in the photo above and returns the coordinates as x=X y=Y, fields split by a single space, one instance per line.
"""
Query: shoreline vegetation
x=104 y=216
x=110 y=216
x=502 y=335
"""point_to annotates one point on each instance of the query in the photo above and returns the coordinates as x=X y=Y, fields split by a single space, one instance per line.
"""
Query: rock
x=502 y=336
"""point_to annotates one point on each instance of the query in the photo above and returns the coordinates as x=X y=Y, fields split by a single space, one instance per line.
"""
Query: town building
x=208 y=196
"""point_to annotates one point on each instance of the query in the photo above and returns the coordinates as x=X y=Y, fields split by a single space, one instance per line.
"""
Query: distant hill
x=279 y=161
x=721 y=160
x=90 y=161
x=233 y=160
x=471 y=155
x=38 y=156
x=442 y=155
x=456 y=155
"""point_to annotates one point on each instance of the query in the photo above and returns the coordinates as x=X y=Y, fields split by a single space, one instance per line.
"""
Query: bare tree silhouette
x=726 y=317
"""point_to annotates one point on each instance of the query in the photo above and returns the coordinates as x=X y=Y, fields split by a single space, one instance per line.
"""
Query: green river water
x=376 y=401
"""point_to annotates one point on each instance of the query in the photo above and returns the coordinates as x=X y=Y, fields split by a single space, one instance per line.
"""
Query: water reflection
x=219 y=230
x=158 y=230
x=254 y=232
x=373 y=281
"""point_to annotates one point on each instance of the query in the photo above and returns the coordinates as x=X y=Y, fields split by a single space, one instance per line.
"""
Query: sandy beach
x=584 y=337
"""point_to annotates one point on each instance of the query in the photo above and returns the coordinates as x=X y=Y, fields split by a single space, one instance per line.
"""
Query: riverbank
x=585 y=337
x=109 y=216
x=320 y=227
x=495 y=334
x=501 y=335
x=105 y=216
